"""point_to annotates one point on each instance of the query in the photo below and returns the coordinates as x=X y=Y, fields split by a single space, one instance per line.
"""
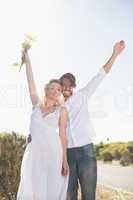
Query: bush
x=11 y=151
x=115 y=151
x=98 y=148
x=125 y=159
x=106 y=156
x=117 y=155
x=130 y=147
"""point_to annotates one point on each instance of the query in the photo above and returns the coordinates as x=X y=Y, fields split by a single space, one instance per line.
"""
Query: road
x=116 y=176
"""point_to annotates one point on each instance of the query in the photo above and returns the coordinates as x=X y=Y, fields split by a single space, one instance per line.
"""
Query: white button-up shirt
x=80 y=130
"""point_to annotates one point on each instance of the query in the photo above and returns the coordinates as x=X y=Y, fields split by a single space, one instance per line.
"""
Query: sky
x=72 y=36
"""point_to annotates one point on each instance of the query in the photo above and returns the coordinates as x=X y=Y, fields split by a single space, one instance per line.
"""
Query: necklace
x=48 y=111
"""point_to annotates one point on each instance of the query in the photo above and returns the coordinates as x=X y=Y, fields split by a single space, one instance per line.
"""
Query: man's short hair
x=70 y=77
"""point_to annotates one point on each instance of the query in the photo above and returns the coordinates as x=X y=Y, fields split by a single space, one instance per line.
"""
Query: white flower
x=28 y=41
x=26 y=45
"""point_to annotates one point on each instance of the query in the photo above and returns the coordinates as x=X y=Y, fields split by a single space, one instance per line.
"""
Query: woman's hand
x=29 y=139
x=25 y=46
x=65 y=168
x=25 y=56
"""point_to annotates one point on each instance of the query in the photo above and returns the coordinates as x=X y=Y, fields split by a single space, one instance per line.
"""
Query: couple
x=61 y=156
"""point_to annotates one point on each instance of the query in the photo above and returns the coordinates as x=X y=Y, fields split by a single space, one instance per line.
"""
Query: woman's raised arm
x=30 y=79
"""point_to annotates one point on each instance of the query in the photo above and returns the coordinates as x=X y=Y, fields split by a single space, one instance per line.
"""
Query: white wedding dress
x=41 y=177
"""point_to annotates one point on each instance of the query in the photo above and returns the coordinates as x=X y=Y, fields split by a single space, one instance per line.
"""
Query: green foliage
x=127 y=158
x=106 y=156
x=117 y=154
x=115 y=151
x=11 y=151
x=99 y=148
x=12 y=146
x=130 y=147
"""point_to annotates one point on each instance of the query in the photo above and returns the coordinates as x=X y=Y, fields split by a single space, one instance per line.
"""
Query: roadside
x=116 y=176
x=109 y=193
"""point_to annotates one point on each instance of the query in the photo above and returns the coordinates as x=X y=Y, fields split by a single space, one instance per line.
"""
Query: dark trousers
x=83 y=170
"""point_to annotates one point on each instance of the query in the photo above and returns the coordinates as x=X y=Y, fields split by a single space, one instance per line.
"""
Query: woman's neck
x=49 y=103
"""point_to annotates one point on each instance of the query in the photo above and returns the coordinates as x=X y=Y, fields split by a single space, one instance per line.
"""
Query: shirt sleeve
x=92 y=85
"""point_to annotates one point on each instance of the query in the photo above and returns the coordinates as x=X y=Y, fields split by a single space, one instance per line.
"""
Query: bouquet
x=25 y=46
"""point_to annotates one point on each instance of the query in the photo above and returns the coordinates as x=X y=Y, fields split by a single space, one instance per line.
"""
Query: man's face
x=67 y=88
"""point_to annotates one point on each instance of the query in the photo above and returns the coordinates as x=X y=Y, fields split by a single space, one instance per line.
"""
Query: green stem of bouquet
x=22 y=59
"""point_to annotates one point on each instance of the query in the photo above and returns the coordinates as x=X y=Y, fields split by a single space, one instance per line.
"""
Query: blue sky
x=72 y=36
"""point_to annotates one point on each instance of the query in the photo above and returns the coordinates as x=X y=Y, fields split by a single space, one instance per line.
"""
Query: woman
x=44 y=169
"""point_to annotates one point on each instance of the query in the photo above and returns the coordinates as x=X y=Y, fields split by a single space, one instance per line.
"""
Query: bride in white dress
x=44 y=168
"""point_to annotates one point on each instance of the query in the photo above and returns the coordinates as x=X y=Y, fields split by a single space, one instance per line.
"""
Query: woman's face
x=53 y=91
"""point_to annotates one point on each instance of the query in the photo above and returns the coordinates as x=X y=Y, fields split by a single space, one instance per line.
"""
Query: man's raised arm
x=90 y=88
x=118 y=48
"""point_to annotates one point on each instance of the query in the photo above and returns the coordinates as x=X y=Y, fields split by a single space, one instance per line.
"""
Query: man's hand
x=118 y=48
x=61 y=100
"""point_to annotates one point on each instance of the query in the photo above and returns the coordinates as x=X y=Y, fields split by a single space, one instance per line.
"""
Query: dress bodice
x=44 y=123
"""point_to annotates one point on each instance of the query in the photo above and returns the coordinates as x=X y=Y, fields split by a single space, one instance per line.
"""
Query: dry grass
x=106 y=193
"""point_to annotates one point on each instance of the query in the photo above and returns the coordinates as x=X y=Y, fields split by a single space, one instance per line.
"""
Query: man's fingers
x=122 y=42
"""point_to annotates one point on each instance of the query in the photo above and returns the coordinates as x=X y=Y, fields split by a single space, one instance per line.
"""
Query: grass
x=107 y=193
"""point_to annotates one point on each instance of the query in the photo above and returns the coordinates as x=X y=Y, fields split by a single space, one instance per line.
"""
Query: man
x=81 y=155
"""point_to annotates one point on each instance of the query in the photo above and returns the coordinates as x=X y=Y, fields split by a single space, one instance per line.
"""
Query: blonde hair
x=47 y=86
